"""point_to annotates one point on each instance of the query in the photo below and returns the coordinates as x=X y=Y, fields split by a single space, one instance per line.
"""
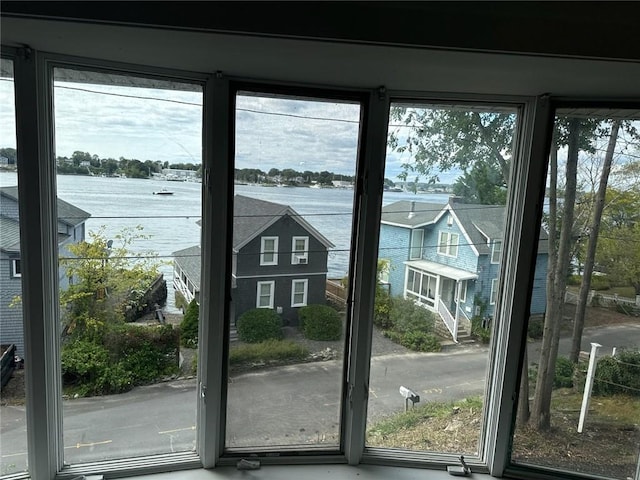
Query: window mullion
x=518 y=263
x=217 y=164
x=36 y=181
x=369 y=202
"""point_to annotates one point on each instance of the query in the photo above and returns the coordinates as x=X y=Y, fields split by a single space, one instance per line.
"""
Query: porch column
x=456 y=316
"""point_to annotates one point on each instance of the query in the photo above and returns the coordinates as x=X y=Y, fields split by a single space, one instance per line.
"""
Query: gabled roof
x=253 y=216
x=480 y=223
x=9 y=235
x=410 y=214
x=189 y=261
x=67 y=213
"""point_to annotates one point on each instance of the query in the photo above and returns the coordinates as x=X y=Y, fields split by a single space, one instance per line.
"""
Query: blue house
x=447 y=258
x=71 y=229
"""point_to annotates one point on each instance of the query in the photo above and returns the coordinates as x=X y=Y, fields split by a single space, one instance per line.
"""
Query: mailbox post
x=409 y=396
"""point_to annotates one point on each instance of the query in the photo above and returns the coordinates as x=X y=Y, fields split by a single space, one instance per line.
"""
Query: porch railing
x=448 y=319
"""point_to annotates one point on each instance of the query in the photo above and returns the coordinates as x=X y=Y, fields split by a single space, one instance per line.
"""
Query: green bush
x=145 y=352
x=87 y=370
x=480 y=333
x=619 y=374
x=382 y=309
x=535 y=329
x=258 y=325
x=600 y=282
x=574 y=280
x=563 y=376
x=407 y=316
x=607 y=377
x=320 y=322
x=629 y=364
x=189 y=325
x=417 y=341
x=269 y=350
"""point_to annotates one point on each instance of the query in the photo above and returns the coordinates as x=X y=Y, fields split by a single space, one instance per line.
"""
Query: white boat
x=164 y=191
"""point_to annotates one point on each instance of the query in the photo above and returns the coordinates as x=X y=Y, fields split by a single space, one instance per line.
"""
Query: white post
x=588 y=385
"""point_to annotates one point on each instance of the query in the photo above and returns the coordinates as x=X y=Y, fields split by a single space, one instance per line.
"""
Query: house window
x=299 y=292
x=16 y=270
x=265 y=294
x=463 y=291
x=493 y=298
x=421 y=287
x=496 y=251
x=415 y=251
x=268 y=250
x=384 y=269
x=448 y=244
x=299 y=250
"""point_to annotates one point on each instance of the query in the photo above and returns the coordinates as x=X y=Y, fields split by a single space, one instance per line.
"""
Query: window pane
x=444 y=180
x=13 y=429
x=589 y=271
x=294 y=175
x=129 y=200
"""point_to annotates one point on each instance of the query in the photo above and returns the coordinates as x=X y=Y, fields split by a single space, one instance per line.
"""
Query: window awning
x=443 y=270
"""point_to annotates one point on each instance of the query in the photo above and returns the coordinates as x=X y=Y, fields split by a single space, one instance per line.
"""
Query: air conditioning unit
x=301 y=260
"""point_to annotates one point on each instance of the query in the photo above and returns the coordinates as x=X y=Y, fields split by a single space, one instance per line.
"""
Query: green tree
x=108 y=277
x=189 y=325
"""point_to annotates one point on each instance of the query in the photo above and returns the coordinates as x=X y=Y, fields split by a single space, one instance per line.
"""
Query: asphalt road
x=290 y=405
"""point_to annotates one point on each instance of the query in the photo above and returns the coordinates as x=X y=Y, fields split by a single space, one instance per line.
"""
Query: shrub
x=189 y=326
x=629 y=365
x=563 y=376
x=407 y=316
x=607 y=377
x=600 y=282
x=269 y=350
x=258 y=325
x=478 y=331
x=535 y=329
x=320 y=322
x=418 y=341
x=145 y=352
x=87 y=370
x=382 y=309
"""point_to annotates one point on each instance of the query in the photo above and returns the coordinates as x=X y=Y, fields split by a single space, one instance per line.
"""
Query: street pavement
x=286 y=406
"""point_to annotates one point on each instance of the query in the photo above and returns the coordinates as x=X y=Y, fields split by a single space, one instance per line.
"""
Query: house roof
x=410 y=214
x=189 y=261
x=9 y=235
x=481 y=223
x=67 y=213
x=444 y=270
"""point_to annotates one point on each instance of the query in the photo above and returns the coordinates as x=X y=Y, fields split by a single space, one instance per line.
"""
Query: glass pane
x=446 y=177
x=589 y=271
x=129 y=200
x=13 y=428
x=294 y=171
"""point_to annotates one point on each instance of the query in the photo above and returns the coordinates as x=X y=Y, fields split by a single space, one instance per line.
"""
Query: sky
x=160 y=124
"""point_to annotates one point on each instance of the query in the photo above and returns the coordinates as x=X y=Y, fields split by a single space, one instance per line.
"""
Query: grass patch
x=267 y=351
x=435 y=426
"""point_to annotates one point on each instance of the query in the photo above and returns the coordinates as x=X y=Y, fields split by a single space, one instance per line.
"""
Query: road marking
x=177 y=430
x=13 y=455
x=93 y=444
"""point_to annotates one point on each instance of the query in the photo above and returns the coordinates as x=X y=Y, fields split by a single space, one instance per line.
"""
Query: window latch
x=461 y=470
x=203 y=392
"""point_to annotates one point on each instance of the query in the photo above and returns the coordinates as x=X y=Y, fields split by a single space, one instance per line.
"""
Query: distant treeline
x=83 y=163
x=289 y=176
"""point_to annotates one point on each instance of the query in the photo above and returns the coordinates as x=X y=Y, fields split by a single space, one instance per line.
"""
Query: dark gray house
x=71 y=229
x=279 y=261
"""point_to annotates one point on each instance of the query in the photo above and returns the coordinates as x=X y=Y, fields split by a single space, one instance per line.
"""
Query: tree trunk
x=556 y=283
x=578 y=321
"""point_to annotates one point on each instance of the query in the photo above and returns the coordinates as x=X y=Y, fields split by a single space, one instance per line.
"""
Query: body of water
x=170 y=221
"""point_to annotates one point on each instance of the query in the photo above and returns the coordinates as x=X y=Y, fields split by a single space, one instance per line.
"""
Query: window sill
x=311 y=472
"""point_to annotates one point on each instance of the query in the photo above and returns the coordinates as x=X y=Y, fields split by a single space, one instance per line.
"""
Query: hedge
x=320 y=322
x=258 y=325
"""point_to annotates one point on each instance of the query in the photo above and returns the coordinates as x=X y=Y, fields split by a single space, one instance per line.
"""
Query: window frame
x=495 y=250
x=445 y=247
x=16 y=268
x=35 y=141
x=296 y=254
x=264 y=251
x=305 y=283
x=415 y=251
x=260 y=295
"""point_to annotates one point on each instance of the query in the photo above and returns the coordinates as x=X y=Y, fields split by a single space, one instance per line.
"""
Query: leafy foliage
x=535 y=328
x=189 y=326
x=258 y=325
x=320 y=322
x=267 y=351
x=619 y=374
x=410 y=325
x=563 y=377
x=478 y=331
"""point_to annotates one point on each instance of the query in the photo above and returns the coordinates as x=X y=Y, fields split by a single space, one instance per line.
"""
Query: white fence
x=596 y=299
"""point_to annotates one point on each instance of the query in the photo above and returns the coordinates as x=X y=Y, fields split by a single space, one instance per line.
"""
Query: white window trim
x=297 y=254
x=272 y=289
x=493 y=296
x=415 y=251
x=463 y=291
x=14 y=268
x=263 y=251
x=304 y=282
x=493 y=251
x=445 y=247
